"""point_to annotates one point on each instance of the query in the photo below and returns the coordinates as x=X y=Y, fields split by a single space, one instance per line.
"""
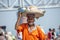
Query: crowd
x=52 y=34
x=4 y=35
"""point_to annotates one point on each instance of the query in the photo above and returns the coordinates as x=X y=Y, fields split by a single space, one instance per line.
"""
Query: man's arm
x=18 y=21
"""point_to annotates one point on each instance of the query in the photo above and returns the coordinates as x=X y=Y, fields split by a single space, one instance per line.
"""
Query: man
x=29 y=30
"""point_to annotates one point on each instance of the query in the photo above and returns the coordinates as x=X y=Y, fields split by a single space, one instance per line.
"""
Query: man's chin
x=31 y=24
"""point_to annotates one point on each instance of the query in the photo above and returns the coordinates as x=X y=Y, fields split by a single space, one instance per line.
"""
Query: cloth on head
x=31 y=15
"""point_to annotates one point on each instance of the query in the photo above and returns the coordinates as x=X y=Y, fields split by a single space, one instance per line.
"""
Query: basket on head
x=33 y=10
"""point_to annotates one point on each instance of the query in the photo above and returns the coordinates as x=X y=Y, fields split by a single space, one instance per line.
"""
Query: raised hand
x=18 y=20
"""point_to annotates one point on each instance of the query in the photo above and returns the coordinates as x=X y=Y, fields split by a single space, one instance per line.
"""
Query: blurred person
x=53 y=34
x=2 y=35
x=58 y=33
x=9 y=36
x=49 y=34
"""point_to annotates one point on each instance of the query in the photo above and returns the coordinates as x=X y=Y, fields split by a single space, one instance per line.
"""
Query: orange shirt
x=36 y=34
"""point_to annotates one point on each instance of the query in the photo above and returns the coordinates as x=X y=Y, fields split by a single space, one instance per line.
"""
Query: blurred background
x=9 y=10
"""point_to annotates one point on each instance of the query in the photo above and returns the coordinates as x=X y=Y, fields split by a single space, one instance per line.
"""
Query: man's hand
x=19 y=14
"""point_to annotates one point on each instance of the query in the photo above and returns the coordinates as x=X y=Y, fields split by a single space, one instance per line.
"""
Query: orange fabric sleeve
x=21 y=27
x=41 y=34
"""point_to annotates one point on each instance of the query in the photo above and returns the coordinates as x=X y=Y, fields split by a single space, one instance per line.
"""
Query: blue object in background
x=21 y=9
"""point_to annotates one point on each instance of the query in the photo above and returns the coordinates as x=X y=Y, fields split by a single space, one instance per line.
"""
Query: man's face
x=30 y=20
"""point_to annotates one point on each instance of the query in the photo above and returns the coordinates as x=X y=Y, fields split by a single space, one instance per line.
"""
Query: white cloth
x=55 y=35
x=9 y=36
x=19 y=36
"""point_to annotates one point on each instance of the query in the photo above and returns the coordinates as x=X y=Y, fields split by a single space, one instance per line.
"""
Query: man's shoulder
x=40 y=29
x=23 y=25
